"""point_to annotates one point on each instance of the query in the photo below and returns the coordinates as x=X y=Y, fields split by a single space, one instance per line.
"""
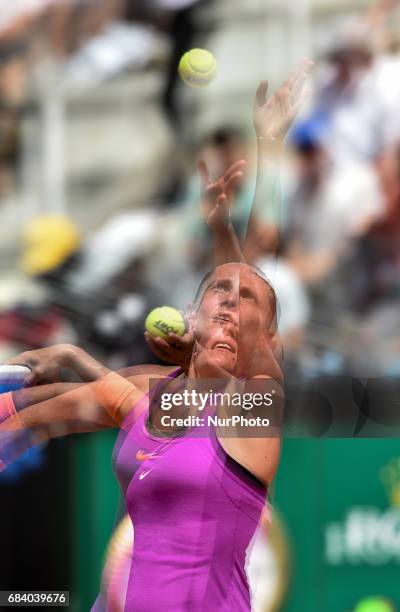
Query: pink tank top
x=194 y=510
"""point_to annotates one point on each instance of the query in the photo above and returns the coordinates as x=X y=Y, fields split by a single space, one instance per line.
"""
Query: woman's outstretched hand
x=45 y=364
x=274 y=115
x=217 y=195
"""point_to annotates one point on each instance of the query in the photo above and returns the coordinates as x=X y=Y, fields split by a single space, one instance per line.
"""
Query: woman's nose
x=230 y=299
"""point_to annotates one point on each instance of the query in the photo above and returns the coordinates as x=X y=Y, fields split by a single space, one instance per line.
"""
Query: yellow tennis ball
x=198 y=67
x=163 y=320
x=374 y=604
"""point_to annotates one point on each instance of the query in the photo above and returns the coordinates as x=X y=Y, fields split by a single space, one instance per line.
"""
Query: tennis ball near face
x=198 y=67
x=163 y=320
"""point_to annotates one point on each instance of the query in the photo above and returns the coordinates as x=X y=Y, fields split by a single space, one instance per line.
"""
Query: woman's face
x=232 y=323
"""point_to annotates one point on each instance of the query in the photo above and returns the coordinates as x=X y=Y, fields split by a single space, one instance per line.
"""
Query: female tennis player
x=195 y=494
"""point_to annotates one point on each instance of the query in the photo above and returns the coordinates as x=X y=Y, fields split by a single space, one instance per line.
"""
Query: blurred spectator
x=292 y=299
x=94 y=292
x=359 y=93
x=114 y=286
x=34 y=317
x=330 y=207
x=111 y=46
x=331 y=203
x=379 y=258
x=49 y=243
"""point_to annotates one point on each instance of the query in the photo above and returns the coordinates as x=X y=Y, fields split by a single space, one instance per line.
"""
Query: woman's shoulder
x=141 y=375
x=140 y=380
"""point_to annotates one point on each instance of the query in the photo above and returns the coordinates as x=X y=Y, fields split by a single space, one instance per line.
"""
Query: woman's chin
x=215 y=364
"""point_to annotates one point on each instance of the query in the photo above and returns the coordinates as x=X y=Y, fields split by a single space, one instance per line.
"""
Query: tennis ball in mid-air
x=163 y=320
x=374 y=604
x=198 y=67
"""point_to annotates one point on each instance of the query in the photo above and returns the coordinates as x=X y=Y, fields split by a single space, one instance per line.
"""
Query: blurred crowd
x=337 y=216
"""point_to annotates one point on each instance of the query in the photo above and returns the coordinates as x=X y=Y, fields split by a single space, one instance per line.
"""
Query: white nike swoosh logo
x=144 y=474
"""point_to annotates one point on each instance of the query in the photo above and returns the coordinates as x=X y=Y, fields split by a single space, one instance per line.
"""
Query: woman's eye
x=247 y=296
x=221 y=289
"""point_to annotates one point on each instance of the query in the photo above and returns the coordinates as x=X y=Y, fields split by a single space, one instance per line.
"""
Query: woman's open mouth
x=224 y=346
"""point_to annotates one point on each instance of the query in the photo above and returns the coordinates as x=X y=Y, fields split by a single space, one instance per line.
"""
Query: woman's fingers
x=183 y=342
x=299 y=75
x=220 y=214
x=303 y=98
x=203 y=171
x=224 y=208
x=20 y=359
x=261 y=93
x=297 y=90
x=213 y=190
x=158 y=341
x=165 y=351
x=23 y=360
x=156 y=348
x=234 y=168
x=30 y=380
x=233 y=182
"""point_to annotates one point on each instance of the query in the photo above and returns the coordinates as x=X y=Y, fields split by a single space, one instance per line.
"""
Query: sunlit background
x=100 y=222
